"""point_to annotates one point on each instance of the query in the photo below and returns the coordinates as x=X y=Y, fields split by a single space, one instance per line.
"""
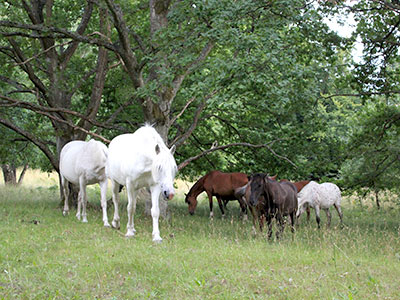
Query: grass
x=44 y=255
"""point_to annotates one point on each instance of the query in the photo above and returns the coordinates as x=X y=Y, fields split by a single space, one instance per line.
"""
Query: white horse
x=320 y=196
x=136 y=160
x=83 y=163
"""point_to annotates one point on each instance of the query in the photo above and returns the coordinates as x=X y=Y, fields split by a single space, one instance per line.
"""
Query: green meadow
x=44 y=255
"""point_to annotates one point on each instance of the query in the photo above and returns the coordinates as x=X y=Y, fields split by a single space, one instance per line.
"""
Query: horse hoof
x=129 y=234
x=84 y=221
x=115 y=224
x=157 y=240
x=107 y=225
x=245 y=218
x=65 y=213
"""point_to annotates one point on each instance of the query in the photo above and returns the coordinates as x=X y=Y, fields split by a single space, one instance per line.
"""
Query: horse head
x=302 y=206
x=255 y=188
x=164 y=171
x=191 y=200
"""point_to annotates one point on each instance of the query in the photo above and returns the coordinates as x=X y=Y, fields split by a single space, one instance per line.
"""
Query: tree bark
x=9 y=174
x=378 y=205
x=22 y=175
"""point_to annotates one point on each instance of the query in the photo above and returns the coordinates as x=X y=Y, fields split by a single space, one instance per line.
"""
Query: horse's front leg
x=292 y=221
x=131 y=208
x=79 y=205
x=243 y=209
x=261 y=221
x=103 y=197
x=317 y=217
x=255 y=218
x=281 y=222
x=155 y=212
x=268 y=217
x=115 y=197
x=308 y=210
x=83 y=198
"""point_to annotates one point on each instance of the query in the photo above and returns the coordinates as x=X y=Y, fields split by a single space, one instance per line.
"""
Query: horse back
x=87 y=159
x=329 y=194
x=224 y=184
x=285 y=196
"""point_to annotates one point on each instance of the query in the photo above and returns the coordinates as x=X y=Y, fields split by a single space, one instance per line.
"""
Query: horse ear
x=157 y=149
x=172 y=150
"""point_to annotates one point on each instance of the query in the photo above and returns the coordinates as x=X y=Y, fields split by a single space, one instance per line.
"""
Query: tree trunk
x=22 y=175
x=10 y=174
x=377 y=199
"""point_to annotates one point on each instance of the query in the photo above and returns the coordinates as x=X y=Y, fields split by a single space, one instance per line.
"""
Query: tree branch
x=212 y=149
x=62 y=33
x=179 y=140
x=19 y=57
x=67 y=54
x=42 y=145
x=48 y=110
x=182 y=111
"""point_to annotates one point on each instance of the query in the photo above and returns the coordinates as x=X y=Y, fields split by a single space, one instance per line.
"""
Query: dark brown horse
x=272 y=199
x=299 y=185
x=218 y=184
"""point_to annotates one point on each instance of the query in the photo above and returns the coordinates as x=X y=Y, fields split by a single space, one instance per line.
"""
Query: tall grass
x=44 y=255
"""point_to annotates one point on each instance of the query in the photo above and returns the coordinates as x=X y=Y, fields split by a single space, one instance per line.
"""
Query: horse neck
x=271 y=189
x=197 y=188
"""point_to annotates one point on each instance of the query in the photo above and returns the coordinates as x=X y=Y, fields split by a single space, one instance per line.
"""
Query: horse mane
x=164 y=160
x=163 y=163
x=199 y=185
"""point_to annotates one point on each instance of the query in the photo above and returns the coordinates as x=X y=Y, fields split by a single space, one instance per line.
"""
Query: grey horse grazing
x=320 y=196
x=83 y=163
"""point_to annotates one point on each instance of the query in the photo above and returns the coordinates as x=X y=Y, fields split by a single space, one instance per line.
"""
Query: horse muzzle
x=253 y=202
x=168 y=196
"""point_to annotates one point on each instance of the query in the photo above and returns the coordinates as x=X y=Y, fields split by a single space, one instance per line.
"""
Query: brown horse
x=218 y=184
x=272 y=199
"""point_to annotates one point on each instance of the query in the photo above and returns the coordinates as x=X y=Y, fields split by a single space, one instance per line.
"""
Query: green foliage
x=373 y=159
x=270 y=71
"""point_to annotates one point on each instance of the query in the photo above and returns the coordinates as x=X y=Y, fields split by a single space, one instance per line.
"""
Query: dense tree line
x=242 y=85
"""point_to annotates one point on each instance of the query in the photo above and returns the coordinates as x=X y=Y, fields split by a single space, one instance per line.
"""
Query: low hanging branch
x=48 y=112
x=212 y=149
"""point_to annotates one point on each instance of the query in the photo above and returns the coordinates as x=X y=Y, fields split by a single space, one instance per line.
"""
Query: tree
x=371 y=159
x=245 y=74
x=41 y=73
